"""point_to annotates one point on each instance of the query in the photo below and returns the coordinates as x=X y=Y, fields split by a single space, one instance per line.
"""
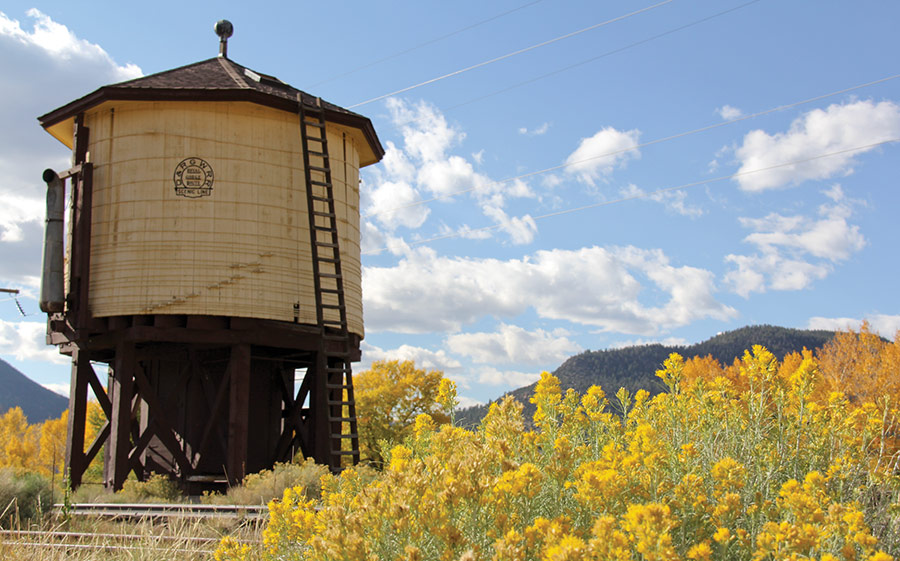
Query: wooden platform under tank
x=203 y=399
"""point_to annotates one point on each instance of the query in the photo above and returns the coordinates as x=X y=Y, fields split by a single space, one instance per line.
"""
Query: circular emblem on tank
x=193 y=178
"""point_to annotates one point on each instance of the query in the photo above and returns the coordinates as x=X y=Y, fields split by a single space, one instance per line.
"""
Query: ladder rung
x=330 y=290
x=338 y=386
x=317 y=154
x=318 y=125
x=342 y=419
x=317 y=168
x=326 y=244
x=333 y=306
x=351 y=435
x=319 y=183
x=320 y=199
x=330 y=276
x=319 y=213
x=340 y=403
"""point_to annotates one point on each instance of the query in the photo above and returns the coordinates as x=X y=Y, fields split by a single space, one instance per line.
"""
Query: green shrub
x=260 y=488
x=23 y=497
x=157 y=488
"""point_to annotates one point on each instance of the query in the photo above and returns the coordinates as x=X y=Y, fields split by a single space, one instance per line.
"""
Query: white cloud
x=535 y=132
x=375 y=241
x=426 y=134
x=372 y=240
x=451 y=175
x=521 y=229
x=396 y=164
x=595 y=286
x=794 y=251
x=57 y=41
x=465 y=401
x=427 y=359
x=598 y=156
x=673 y=201
x=885 y=325
x=393 y=204
x=41 y=68
x=837 y=128
x=424 y=165
x=728 y=112
x=61 y=389
x=721 y=153
x=424 y=358
x=514 y=345
x=511 y=378
x=25 y=340
x=465 y=231
x=667 y=342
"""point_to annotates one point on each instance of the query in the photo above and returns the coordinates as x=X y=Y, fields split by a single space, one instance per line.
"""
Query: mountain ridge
x=635 y=367
x=37 y=402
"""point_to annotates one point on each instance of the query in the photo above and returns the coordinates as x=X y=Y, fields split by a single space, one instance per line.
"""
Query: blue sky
x=573 y=175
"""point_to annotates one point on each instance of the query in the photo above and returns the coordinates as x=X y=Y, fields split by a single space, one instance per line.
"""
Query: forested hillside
x=37 y=402
x=635 y=368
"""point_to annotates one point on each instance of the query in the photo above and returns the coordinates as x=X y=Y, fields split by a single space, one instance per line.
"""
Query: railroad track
x=150 y=511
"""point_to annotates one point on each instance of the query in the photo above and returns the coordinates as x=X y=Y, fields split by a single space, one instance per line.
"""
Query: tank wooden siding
x=241 y=251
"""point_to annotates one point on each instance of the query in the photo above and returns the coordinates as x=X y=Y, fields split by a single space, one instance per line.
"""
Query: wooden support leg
x=122 y=390
x=75 y=458
x=238 y=413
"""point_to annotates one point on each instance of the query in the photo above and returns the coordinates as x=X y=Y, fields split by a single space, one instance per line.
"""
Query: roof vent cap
x=224 y=30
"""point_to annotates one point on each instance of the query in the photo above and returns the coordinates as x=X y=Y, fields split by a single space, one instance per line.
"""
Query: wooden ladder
x=329 y=287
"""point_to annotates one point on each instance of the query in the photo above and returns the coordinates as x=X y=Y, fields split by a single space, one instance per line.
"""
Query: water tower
x=212 y=251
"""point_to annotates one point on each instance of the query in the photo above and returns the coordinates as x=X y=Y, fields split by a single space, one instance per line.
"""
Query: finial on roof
x=224 y=29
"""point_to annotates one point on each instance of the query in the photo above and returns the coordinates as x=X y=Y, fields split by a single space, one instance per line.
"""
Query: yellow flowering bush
x=761 y=463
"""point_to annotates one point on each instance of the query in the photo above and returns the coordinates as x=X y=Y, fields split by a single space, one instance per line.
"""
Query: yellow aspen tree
x=22 y=452
x=53 y=445
x=389 y=397
x=13 y=427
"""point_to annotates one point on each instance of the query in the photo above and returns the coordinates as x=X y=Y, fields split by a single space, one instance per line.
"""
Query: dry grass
x=97 y=539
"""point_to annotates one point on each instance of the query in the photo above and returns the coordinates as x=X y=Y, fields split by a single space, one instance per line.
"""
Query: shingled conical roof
x=215 y=79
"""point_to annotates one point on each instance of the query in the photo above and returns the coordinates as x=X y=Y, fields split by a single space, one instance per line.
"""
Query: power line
x=514 y=53
x=642 y=145
x=425 y=44
x=606 y=54
x=645 y=195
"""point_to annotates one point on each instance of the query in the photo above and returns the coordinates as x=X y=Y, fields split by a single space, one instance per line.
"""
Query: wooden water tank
x=191 y=273
x=199 y=203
